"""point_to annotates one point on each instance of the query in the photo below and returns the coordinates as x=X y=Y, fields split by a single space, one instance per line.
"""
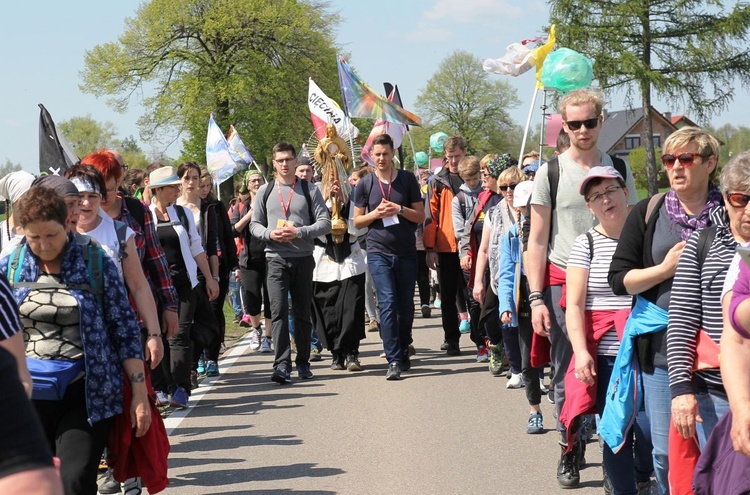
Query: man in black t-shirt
x=388 y=202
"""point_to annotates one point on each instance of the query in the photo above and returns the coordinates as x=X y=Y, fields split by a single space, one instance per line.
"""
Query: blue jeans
x=658 y=403
x=234 y=295
x=394 y=278
x=314 y=340
x=633 y=462
x=712 y=407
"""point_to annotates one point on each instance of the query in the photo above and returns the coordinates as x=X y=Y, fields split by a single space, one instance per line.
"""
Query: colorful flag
x=324 y=110
x=56 y=153
x=219 y=159
x=360 y=100
x=237 y=149
x=396 y=131
x=519 y=58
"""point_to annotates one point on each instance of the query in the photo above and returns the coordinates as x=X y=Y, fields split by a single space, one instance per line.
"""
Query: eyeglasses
x=609 y=192
x=685 y=159
x=284 y=160
x=574 y=125
x=738 y=200
x=509 y=186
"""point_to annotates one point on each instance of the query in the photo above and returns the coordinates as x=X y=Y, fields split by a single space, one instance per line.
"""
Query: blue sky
x=398 y=41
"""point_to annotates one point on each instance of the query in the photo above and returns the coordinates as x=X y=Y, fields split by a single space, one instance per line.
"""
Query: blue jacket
x=108 y=338
x=625 y=389
x=508 y=279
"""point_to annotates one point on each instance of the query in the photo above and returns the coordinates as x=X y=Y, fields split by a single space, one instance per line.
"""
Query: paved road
x=448 y=428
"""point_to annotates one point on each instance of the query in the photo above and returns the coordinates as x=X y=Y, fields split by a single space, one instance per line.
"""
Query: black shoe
x=581 y=453
x=426 y=311
x=567 y=469
x=303 y=371
x=352 y=363
x=281 y=375
x=406 y=362
x=551 y=394
x=453 y=349
x=444 y=346
x=337 y=363
x=394 y=371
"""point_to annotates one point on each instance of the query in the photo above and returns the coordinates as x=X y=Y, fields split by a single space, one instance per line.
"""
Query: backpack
x=136 y=208
x=305 y=192
x=93 y=256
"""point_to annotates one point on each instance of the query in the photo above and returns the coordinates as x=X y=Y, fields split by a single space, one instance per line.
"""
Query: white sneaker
x=255 y=339
x=542 y=388
x=516 y=381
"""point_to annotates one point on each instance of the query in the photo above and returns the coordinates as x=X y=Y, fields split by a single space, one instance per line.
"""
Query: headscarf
x=15 y=184
x=59 y=184
x=499 y=164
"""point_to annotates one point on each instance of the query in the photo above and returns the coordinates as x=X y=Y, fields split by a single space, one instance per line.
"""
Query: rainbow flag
x=360 y=100
x=396 y=131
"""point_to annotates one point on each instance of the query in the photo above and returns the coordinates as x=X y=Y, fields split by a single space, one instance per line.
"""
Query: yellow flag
x=539 y=54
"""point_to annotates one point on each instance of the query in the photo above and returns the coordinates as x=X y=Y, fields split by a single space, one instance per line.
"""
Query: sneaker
x=382 y=354
x=180 y=398
x=303 y=371
x=516 y=381
x=201 y=370
x=315 y=355
x=542 y=387
x=496 y=360
x=162 y=399
x=438 y=303
x=453 y=349
x=337 y=363
x=464 y=326
x=281 y=375
x=266 y=346
x=255 y=339
x=483 y=354
x=110 y=485
x=352 y=363
x=212 y=369
x=132 y=486
x=245 y=322
x=535 y=424
x=568 y=475
x=237 y=318
x=193 y=379
x=444 y=346
x=394 y=371
x=426 y=311
x=607 y=483
x=551 y=395
x=373 y=326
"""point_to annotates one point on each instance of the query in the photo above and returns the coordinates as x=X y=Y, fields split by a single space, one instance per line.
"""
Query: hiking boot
x=245 y=322
x=534 y=425
x=266 y=346
x=315 y=355
x=426 y=311
x=193 y=379
x=180 y=398
x=496 y=360
x=483 y=354
x=281 y=375
x=394 y=371
x=255 y=339
x=352 y=363
x=516 y=381
x=568 y=475
x=453 y=349
x=303 y=371
x=212 y=369
x=109 y=486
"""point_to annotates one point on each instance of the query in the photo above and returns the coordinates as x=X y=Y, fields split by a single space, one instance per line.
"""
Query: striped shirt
x=695 y=305
x=599 y=295
x=10 y=323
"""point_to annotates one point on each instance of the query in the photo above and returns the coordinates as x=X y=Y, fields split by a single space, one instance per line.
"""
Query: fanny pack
x=52 y=377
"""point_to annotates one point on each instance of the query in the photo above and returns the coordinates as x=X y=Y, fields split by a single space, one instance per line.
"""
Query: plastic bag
x=517 y=60
x=437 y=140
x=566 y=70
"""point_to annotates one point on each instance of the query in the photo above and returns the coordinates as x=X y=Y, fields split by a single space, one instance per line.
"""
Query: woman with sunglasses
x=645 y=262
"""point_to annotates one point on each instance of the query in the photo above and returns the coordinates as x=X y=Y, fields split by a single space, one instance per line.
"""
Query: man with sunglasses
x=557 y=218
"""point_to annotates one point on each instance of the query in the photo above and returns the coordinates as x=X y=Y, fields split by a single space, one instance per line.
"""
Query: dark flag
x=55 y=152
x=393 y=89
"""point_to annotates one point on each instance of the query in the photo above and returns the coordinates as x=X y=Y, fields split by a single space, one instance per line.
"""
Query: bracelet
x=154 y=335
x=535 y=295
x=216 y=277
x=535 y=303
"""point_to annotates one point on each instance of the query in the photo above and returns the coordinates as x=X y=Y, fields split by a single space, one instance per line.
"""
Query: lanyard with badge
x=285 y=207
x=393 y=220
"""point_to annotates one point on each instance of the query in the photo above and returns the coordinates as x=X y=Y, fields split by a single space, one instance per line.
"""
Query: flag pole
x=413 y=151
x=528 y=124
x=351 y=141
x=544 y=121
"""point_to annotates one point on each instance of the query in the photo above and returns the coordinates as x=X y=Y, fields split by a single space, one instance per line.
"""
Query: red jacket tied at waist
x=540 y=346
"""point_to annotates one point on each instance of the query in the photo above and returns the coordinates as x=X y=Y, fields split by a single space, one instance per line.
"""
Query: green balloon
x=437 y=140
x=421 y=158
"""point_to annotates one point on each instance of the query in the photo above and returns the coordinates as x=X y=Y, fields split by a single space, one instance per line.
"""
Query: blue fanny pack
x=51 y=377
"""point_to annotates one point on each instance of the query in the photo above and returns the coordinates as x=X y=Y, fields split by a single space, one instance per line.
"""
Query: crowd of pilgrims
x=120 y=277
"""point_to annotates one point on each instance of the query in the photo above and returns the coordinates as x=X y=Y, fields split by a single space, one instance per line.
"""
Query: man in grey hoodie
x=288 y=215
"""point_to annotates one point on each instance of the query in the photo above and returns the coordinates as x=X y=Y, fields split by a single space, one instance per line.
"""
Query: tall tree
x=247 y=61
x=461 y=98
x=9 y=167
x=87 y=135
x=687 y=51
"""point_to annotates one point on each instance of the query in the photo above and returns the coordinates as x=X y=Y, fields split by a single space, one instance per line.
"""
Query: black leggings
x=254 y=290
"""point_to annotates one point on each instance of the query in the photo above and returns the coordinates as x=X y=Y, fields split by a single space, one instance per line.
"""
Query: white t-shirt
x=599 y=295
x=105 y=234
x=733 y=272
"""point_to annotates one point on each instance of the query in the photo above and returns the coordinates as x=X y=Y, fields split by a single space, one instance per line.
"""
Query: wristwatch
x=216 y=277
x=401 y=210
x=299 y=234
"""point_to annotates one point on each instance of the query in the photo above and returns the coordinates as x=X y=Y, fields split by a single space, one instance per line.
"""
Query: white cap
x=522 y=193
